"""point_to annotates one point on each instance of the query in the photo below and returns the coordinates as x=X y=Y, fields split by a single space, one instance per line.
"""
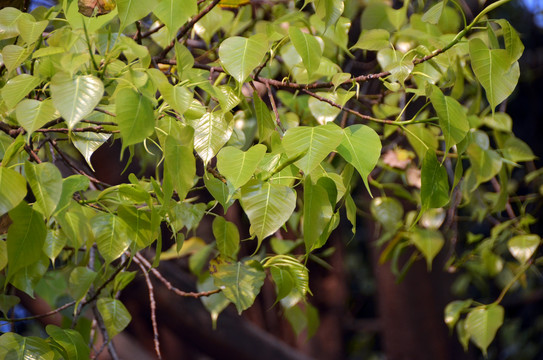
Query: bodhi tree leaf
x=429 y=242
x=88 y=142
x=30 y=29
x=174 y=14
x=81 y=279
x=316 y=142
x=434 y=191
x=482 y=323
x=211 y=132
x=7 y=302
x=17 y=88
x=132 y=10
x=25 y=238
x=15 y=346
x=374 y=39
x=9 y=16
x=240 y=56
x=307 y=47
x=494 y=70
x=219 y=190
x=33 y=114
x=317 y=214
x=266 y=125
x=289 y=275
x=215 y=303
x=116 y=317
x=240 y=282
x=12 y=189
x=71 y=341
x=111 y=236
x=13 y=56
x=46 y=183
x=454 y=309
x=433 y=14
x=75 y=97
x=268 y=207
x=179 y=161
x=513 y=44
x=227 y=236
x=522 y=247
x=452 y=117
x=54 y=243
x=239 y=166
x=361 y=147
x=135 y=116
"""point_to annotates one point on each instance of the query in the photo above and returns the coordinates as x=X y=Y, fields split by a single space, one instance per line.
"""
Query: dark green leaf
x=227 y=236
x=135 y=116
x=116 y=317
x=434 y=191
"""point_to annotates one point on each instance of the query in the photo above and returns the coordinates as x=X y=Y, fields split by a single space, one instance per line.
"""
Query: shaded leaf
x=452 y=117
x=227 y=236
x=429 y=242
x=116 y=317
x=12 y=189
x=174 y=13
x=33 y=114
x=15 y=346
x=88 y=142
x=453 y=311
x=317 y=214
x=434 y=191
x=45 y=181
x=132 y=10
x=71 y=341
x=135 y=116
x=111 y=236
x=522 y=247
x=482 y=324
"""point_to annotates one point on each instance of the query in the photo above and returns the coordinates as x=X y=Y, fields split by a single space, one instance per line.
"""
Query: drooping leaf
x=434 y=191
x=88 y=142
x=495 y=71
x=17 y=88
x=227 y=236
x=307 y=47
x=179 y=97
x=135 y=116
x=433 y=14
x=374 y=39
x=184 y=214
x=513 y=44
x=266 y=124
x=317 y=214
x=70 y=185
x=174 y=14
x=215 y=303
x=482 y=324
x=211 y=132
x=33 y=114
x=46 y=183
x=240 y=281
x=75 y=97
x=239 y=166
x=25 y=237
x=116 y=317
x=316 y=142
x=139 y=224
x=81 y=279
x=30 y=29
x=12 y=189
x=330 y=11
x=54 y=243
x=429 y=242
x=268 y=207
x=179 y=161
x=522 y=247
x=7 y=302
x=324 y=112
x=240 y=56
x=452 y=117
x=219 y=190
x=15 y=346
x=288 y=272
x=132 y=10
x=13 y=56
x=388 y=211
x=361 y=147
x=27 y=278
x=9 y=16
x=71 y=341
x=453 y=311
x=111 y=235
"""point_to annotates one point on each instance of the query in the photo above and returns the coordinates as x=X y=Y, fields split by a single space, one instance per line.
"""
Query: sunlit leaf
x=88 y=142
x=308 y=48
x=135 y=116
x=429 y=242
x=174 y=13
x=15 y=346
x=482 y=324
x=240 y=56
x=132 y=10
x=116 y=317
x=522 y=247
x=239 y=166
x=111 y=235
x=17 y=88
x=71 y=341
x=46 y=183
x=12 y=189
x=211 y=132
x=317 y=214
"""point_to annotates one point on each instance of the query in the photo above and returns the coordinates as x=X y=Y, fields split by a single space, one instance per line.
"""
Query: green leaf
x=452 y=117
x=433 y=14
x=33 y=114
x=139 y=224
x=350 y=209
x=75 y=97
x=482 y=323
x=179 y=161
x=3 y=255
x=288 y=268
x=240 y=282
x=81 y=279
x=7 y=302
x=227 y=236
x=187 y=215
x=54 y=243
x=12 y=189
x=513 y=44
x=46 y=183
x=88 y=142
x=453 y=311
x=132 y=10
x=174 y=14
x=324 y=112
x=215 y=303
x=30 y=29
x=179 y=97
x=220 y=191
x=307 y=47
x=266 y=124
x=185 y=60
x=434 y=191
x=70 y=185
x=25 y=238
x=361 y=147
x=240 y=56
x=330 y=11
x=495 y=71
x=116 y=317
x=317 y=214
x=316 y=142
x=387 y=211
x=70 y=340
x=239 y=166
x=429 y=242
x=268 y=207
x=522 y=247
x=9 y=16
x=374 y=39
x=75 y=224
x=283 y=281
x=211 y=132
x=14 y=346
x=17 y=88
x=27 y=278
x=135 y=116
x=111 y=235
x=13 y=56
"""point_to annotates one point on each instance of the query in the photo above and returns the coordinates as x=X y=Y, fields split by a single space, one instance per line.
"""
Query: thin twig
x=152 y=305
x=34 y=317
x=32 y=154
x=274 y=107
x=93 y=129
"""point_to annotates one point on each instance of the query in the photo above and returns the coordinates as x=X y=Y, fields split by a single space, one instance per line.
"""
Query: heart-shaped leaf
x=308 y=48
x=135 y=116
x=522 y=247
x=33 y=114
x=482 y=324
x=452 y=117
x=46 y=183
x=240 y=56
x=238 y=166
x=18 y=87
x=211 y=132
x=88 y=142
